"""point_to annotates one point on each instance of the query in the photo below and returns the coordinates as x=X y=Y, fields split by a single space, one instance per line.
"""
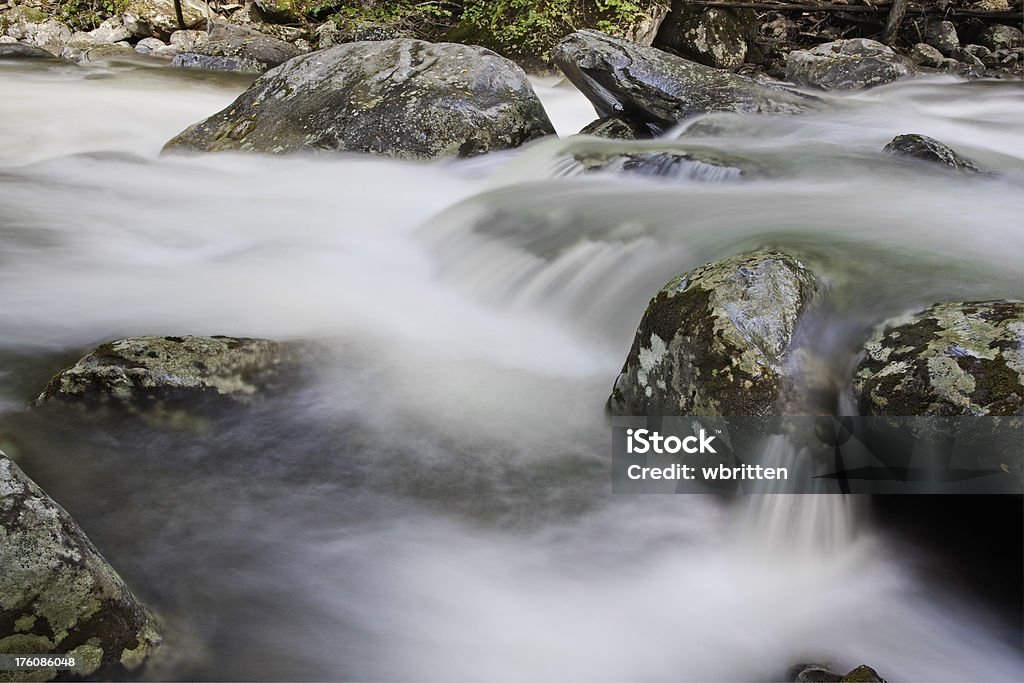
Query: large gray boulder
x=145 y=372
x=228 y=47
x=400 y=98
x=715 y=341
x=713 y=36
x=57 y=593
x=157 y=19
x=951 y=359
x=850 y=64
x=23 y=51
x=655 y=88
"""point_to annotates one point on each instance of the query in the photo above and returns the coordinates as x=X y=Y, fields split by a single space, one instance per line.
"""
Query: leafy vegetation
x=85 y=15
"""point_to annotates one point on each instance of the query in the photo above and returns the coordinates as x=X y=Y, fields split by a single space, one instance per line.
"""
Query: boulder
x=715 y=37
x=279 y=11
x=89 y=52
x=715 y=341
x=144 y=372
x=23 y=51
x=57 y=593
x=846 y=65
x=821 y=674
x=951 y=359
x=929 y=149
x=156 y=18
x=925 y=55
x=28 y=25
x=228 y=47
x=110 y=31
x=657 y=89
x=1000 y=37
x=400 y=98
x=155 y=48
x=615 y=128
x=943 y=37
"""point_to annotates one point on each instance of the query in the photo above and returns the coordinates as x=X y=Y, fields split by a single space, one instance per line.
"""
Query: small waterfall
x=810 y=522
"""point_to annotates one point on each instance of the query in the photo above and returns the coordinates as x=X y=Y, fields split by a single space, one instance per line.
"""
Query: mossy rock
x=948 y=360
x=929 y=149
x=145 y=373
x=57 y=593
x=715 y=37
x=715 y=341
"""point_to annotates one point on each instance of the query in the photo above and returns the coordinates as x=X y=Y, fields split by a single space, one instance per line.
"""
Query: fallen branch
x=892 y=24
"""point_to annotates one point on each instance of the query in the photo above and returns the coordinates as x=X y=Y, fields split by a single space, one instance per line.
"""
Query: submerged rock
x=657 y=89
x=57 y=593
x=950 y=359
x=400 y=98
x=847 y=65
x=151 y=371
x=820 y=674
x=23 y=51
x=929 y=149
x=715 y=341
x=715 y=37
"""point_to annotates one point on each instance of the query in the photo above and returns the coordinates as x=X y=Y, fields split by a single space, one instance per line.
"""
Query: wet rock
x=950 y=359
x=400 y=98
x=156 y=18
x=57 y=593
x=677 y=165
x=144 y=372
x=715 y=37
x=942 y=36
x=973 y=56
x=1001 y=37
x=846 y=65
x=89 y=52
x=863 y=674
x=615 y=128
x=715 y=341
x=656 y=89
x=817 y=674
x=929 y=149
x=23 y=51
x=925 y=55
x=233 y=48
x=193 y=60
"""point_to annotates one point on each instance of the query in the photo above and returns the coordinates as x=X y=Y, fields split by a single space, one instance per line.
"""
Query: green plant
x=85 y=15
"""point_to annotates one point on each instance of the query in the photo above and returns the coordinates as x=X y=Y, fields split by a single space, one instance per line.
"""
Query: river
x=435 y=504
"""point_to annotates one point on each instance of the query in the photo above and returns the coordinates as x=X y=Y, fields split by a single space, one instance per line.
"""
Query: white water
x=469 y=371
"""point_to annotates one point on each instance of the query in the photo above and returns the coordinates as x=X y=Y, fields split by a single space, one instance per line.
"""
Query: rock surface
x=23 y=51
x=846 y=65
x=654 y=88
x=400 y=98
x=1001 y=37
x=615 y=128
x=950 y=359
x=148 y=371
x=711 y=36
x=57 y=593
x=156 y=18
x=929 y=149
x=925 y=55
x=715 y=341
x=228 y=47
x=943 y=37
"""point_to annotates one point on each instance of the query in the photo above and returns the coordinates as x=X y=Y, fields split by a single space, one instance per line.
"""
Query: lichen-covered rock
x=713 y=36
x=110 y=31
x=615 y=128
x=49 y=34
x=228 y=47
x=929 y=149
x=1000 y=37
x=657 y=89
x=400 y=98
x=715 y=341
x=57 y=593
x=951 y=359
x=23 y=51
x=925 y=55
x=156 y=18
x=142 y=372
x=847 y=65
x=90 y=52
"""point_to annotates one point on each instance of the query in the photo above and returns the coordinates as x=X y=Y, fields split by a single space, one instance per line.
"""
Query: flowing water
x=435 y=504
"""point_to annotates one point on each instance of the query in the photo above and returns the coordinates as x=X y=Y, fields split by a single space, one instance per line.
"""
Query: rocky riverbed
x=433 y=288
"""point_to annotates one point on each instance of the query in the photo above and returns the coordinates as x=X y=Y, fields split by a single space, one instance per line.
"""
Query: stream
x=435 y=503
